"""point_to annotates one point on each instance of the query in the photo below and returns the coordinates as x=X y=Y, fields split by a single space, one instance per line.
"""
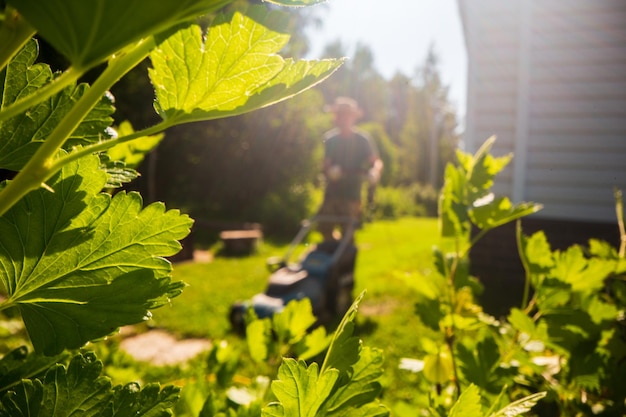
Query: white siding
x=556 y=86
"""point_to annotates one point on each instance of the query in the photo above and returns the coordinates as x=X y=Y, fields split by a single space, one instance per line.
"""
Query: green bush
x=396 y=202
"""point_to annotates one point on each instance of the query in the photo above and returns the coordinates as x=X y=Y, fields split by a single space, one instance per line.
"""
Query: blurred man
x=350 y=157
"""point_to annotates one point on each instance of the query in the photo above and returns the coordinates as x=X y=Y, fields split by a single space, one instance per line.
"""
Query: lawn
x=393 y=257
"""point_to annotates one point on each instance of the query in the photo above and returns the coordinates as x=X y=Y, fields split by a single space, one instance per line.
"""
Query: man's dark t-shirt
x=354 y=154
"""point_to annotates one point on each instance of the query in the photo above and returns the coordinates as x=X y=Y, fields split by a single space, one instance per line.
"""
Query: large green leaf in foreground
x=92 y=30
x=234 y=71
x=22 y=135
x=81 y=390
x=79 y=263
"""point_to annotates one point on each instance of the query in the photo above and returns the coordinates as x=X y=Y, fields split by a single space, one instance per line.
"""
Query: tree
x=429 y=135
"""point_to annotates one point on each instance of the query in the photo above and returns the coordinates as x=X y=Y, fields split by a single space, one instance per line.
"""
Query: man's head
x=347 y=112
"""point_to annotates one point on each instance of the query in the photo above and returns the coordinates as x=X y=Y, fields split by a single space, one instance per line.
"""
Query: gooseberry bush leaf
x=79 y=263
x=345 y=385
x=466 y=196
x=234 y=71
x=93 y=31
x=80 y=389
x=22 y=135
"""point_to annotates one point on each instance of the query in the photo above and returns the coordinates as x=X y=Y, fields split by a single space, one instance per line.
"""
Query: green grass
x=394 y=256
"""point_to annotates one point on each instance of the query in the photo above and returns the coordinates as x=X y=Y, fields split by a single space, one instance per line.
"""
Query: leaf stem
x=104 y=145
x=42 y=164
x=14 y=33
x=67 y=78
x=522 y=256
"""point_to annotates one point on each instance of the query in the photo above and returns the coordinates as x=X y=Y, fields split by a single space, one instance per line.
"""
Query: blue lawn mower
x=325 y=275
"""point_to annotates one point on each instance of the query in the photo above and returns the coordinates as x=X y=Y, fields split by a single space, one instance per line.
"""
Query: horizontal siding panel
x=581 y=124
x=587 y=72
x=574 y=91
x=576 y=6
x=576 y=212
x=487 y=88
x=576 y=56
x=575 y=177
x=591 y=196
x=566 y=158
x=497 y=105
x=579 y=142
x=496 y=57
x=597 y=107
x=495 y=122
x=599 y=22
x=577 y=37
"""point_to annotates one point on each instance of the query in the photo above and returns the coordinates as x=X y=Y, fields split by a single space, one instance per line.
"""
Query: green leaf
x=133 y=152
x=478 y=364
x=19 y=364
x=300 y=389
x=259 y=338
x=468 y=404
x=453 y=218
x=500 y=211
x=519 y=407
x=79 y=263
x=536 y=253
x=438 y=367
x=292 y=323
x=94 y=30
x=21 y=136
x=363 y=387
x=313 y=344
x=344 y=347
x=296 y=3
x=582 y=274
x=151 y=401
x=117 y=172
x=482 y=169
x=236 y=70
x=79 y=388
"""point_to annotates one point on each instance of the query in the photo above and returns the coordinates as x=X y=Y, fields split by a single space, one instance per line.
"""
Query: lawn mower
x=324 y=275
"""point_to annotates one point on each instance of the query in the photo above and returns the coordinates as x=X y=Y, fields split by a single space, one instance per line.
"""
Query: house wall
x=548 y=77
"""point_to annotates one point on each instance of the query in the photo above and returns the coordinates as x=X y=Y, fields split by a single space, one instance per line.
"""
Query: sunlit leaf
x=22 y=135
x=438 y=367
x=259 y=337
x=536 y=252
x=344 y=346
x=314 y=343
x=453 y=217
x=468 y=404
x=484 y=168
x=152 y=400
x=572 y=267
x=133 y=152
x=292 y=323
x=295 y=2
x=301 y=390
x=500 y=211
x=235 y=70
x=93 y=30
x=363 y=387
x=520 y=406
x=79 y=263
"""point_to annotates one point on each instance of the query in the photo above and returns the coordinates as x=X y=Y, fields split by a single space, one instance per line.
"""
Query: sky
x=399 y=33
